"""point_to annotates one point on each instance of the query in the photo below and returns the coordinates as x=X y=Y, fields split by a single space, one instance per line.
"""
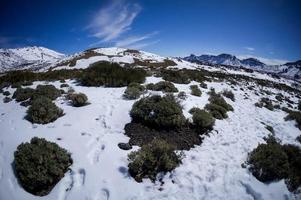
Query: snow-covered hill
x=289 y=70
x=28 y=57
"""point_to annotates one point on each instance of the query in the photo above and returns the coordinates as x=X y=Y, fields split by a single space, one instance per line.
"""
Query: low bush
x=43 y=111
x=153 y=158
x=270 y=128
x=299 y=105
x=265 y=102
x=134 y=91
x=111 y=75
x=182 y=95
x=202 y=119
x=63 y=85
x=6 y=99
x=23 y=94
x=40 y=165
x=273 y=161
x=195 y=90
x=203 y=85
x=268 y=162
x=219 y=100
x=6 y=93
x=176 y=76
x=294 y=115
x=216 y=111
x=229 y=94
x=48 y=91
x=164 y=86
x=78 y=99
x=158 y=112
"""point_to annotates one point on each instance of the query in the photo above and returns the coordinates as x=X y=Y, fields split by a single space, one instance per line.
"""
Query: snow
x=91 y=133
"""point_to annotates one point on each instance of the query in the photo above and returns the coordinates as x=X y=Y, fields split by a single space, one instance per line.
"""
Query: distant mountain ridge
x=290 y=70
x=20 y=58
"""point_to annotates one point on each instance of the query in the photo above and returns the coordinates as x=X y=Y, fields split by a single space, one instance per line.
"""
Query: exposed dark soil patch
x=183 y=138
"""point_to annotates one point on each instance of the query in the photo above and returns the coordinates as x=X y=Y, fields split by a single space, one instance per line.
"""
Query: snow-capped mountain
x=23 y=58
x=290 y=70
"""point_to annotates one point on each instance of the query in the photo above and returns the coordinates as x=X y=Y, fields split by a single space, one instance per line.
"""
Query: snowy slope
x=211 y=170
x=27 y=57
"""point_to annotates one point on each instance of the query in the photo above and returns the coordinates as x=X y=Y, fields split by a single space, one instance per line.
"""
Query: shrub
x=164 y=86
x=133 y=91
x=203 y=85
x=63 y=85
x=273 y=161
x=268 y=162
x=201 y=118
x=182 y=95
x=158 y=112
x=176 y=76
x=40 y=165
x=195 y=90
x=217 y=111
x=150 y=86
x=265 y=102
x=111 y=75
x=269 y=128
x=299 y=105
x=219 y=100
x=48 y=91
x=229 y=94
x=293 y=153
x=23 y=94
x=43 y=111
x=7 y=99
x=293 y=115
x=153 y=158
x=78 y=99
x=6 y=93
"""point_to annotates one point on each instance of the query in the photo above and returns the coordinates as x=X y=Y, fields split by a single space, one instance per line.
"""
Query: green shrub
x=195 y=90
x=153 y=158
x=201 y=118
x=164 y=86
x=219 y=100
x=6 y=99
x=43 y=111
x=268 y=162
x=299 y=105
x=216 y=111
x=158 y=112
x=48 y=91
x=294 y=115
x=176 y=76
x=133 y=91
x=293 y=153
x=6 y=93
x=229 y=94
x=63 y=85
x=40 y=165
x=265 y=102
x=111 y=75
x=23 y=94
x=273 y=161
x=78 y=99
x=182 y=95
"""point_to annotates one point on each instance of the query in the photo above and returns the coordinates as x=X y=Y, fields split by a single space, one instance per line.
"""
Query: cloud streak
x=249 y=48
x=134 y=39
x=269 y=61
x=113 y=20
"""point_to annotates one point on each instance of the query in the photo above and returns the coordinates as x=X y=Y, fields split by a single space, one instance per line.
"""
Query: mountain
x=22 y=58
x=289 y=70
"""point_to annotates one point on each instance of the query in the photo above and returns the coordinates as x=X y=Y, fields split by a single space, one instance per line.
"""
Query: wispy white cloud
x=249 y=48
x=269 y=61
x=142 y=45
x=126 y=42
x=113 y=20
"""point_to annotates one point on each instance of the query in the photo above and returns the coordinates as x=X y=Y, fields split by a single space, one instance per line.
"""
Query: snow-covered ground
x=91 y=133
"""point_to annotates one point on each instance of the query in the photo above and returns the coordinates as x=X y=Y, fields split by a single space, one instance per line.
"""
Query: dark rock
x=124 y=146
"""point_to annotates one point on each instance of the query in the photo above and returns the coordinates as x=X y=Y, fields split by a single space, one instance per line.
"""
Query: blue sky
x=260 y=28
